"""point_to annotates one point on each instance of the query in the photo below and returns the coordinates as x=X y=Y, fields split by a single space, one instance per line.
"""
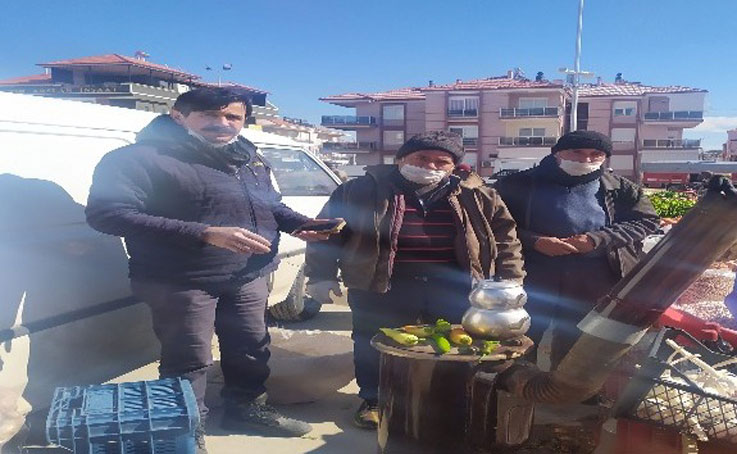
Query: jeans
x=184 y=320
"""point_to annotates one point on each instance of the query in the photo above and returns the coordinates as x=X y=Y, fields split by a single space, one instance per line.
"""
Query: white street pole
x=577 y=69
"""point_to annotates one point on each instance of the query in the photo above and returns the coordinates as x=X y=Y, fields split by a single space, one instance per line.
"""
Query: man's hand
x=320 y=291
x=311 y=232
x=554 y=247
x=236 y=239
x=583 y=243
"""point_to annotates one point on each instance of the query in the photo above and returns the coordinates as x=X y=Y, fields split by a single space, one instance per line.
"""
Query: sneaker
x=199 y=438
x=367 y=416
x=255 y=417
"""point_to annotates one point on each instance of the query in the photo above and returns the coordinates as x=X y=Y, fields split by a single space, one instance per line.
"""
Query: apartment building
x=730 y=146
x=507 y=119
x=123 y=81
x=645 y=123
x=510 y=122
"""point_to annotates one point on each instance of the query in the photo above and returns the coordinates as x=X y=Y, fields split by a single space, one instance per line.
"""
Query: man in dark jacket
x=416 y=237
x=581 y=229
x=201 y=221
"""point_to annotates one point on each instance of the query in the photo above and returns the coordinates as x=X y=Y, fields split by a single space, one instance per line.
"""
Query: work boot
x=367 y=416
x=255 y=417
x=199 y=438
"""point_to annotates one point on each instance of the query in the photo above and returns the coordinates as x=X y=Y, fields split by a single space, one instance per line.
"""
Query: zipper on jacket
x=248 y=197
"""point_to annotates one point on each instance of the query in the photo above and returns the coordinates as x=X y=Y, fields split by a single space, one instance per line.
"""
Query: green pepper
x=488 y=347
x=442 y=326
x=442 y=345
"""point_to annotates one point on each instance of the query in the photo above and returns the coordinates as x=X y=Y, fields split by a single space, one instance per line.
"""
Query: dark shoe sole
x=365 y=425
x=247 y=428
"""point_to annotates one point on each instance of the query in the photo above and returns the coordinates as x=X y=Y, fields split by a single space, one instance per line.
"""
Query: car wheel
x=298 y=306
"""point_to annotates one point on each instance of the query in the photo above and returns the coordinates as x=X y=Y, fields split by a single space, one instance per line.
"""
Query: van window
x=297 y=174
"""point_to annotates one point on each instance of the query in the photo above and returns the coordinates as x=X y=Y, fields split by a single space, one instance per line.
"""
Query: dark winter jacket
x=164 y=191
x=486 y=243
x=630 y=216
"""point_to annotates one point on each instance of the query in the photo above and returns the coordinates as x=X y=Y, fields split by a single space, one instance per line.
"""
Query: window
x=463 y=106
x=388 y=159
x=470 y=134
x=297 y=174
x=393 y=139
x=532 y=132
x=392 y=112
x=624 y=108
x=625 y=112
x=392 y=115
x=623 y=135
x=529 y=103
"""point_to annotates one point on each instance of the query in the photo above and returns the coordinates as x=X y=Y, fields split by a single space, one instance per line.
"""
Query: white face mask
x=577 y=169
x=421 y=175
x=202 y=139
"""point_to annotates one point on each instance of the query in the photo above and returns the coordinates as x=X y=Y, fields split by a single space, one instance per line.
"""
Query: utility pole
x=576 y=72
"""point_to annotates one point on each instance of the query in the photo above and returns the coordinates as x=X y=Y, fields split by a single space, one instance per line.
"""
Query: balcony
x=529 y=112
x=679 y=115
x=471 y=142
x=349 y=147
x=527 y=141
x=672 y=143
x=463 y=113
x=348 y=121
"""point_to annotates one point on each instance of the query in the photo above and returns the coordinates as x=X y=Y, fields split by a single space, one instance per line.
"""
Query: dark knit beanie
x=584 y=139
x=449 y=142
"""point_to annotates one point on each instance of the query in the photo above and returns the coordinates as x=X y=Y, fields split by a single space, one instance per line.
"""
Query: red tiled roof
x=28 y=80
x=632 y=89
x=117 y=59
x=401 y=94
x=494 y=83
x=282 y=123
x=418 y=93
x=231 y=85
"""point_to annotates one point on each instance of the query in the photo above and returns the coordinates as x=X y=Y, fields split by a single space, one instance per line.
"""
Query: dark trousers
x=411 y=300
x=184 y=319
x=564 y=295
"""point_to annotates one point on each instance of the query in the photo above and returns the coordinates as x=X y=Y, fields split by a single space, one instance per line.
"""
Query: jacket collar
x=169 y=137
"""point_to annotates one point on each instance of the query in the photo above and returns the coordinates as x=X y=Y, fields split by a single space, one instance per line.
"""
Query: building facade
x=730 y=146
x=121 y=81
x=645 y=123
x=510 y=122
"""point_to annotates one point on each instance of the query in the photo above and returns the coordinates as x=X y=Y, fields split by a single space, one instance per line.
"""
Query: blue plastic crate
x=148 y=417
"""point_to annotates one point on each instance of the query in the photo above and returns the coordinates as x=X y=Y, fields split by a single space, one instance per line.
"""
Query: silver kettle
x=496 y=310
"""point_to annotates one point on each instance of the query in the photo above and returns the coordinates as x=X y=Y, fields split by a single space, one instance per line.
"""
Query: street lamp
x=576 y=72
x=226 y=67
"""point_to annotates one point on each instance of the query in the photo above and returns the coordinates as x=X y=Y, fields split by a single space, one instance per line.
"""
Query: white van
x=67 y=314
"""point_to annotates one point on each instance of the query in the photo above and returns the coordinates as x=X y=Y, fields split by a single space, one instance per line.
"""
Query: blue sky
x=300 y=50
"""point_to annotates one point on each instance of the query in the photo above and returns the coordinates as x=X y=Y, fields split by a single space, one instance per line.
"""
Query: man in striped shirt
x=417 y=235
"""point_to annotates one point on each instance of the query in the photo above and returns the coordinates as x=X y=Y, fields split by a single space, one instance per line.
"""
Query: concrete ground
x=331 y=417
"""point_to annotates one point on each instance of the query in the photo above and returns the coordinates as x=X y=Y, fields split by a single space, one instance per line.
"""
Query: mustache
x=219 y=129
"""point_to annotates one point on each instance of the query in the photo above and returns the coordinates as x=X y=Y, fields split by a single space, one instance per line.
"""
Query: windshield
x=297 y=174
